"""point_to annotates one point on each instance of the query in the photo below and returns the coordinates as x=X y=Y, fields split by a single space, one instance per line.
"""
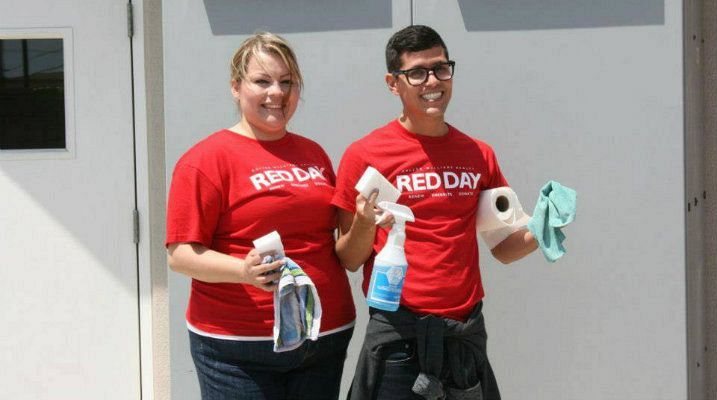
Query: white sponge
x=372 y=180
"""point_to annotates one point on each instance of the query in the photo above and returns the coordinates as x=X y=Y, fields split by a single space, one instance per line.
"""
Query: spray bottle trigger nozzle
x=400 y=212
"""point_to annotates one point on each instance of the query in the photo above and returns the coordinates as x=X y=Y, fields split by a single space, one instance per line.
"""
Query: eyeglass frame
x=405 y=72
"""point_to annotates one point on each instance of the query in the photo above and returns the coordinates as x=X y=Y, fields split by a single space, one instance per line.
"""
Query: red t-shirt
x=440 y=179
x=228 y=190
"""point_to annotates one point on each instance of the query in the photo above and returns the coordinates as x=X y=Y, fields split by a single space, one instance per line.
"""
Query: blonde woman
x=237 y=185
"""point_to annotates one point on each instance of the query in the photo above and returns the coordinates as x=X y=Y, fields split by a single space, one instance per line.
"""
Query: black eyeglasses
x=419 y=76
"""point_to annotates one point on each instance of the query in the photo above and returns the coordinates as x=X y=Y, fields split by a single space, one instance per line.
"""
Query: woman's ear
x=392 y=81
x=235 y=88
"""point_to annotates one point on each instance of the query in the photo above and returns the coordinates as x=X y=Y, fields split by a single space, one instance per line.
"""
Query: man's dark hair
x=411 y=39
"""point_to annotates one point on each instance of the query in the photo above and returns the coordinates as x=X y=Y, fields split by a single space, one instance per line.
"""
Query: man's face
x=429 y=99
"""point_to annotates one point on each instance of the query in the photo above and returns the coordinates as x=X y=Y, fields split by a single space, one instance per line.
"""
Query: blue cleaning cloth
x=297 y=308
x=555 y=209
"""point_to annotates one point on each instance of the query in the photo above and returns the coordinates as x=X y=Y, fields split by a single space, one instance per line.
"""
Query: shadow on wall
x=510 y=15
x=243 y=17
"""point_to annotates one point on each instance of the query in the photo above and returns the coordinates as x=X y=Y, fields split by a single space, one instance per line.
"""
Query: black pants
x=400 y=369
x=397 y=344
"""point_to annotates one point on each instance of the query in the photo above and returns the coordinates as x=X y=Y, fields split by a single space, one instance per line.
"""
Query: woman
x=235 y=186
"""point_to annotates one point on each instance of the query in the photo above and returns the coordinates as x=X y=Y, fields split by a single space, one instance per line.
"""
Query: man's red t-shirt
x=440 y=179
x=228 y=190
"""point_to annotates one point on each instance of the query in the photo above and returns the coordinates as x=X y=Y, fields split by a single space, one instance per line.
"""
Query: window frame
x=65 y=34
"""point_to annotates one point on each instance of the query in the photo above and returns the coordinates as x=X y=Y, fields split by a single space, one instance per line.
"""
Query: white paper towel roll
x=499 y=214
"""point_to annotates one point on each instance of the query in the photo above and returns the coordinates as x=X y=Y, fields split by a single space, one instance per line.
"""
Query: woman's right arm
x=357 y=232
x=201 y=263
x=355 y=242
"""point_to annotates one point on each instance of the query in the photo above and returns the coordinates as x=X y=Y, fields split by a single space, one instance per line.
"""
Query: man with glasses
x=434 y=346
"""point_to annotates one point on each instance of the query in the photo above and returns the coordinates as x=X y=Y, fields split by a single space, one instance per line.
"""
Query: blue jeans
x=230 y=369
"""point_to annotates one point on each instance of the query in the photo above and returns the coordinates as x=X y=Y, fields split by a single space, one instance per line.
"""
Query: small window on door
x=32 y=94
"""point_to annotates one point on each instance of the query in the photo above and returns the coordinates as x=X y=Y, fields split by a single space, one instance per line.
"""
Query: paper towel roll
x=496 y=209
x=499 y=215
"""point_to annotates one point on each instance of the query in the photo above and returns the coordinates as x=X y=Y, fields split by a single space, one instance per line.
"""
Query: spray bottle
x=389 y=266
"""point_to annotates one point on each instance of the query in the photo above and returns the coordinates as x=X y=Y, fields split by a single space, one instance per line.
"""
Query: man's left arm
x=516 y=246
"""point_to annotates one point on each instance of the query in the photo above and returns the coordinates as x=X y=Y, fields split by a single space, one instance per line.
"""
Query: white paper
x=270 y=244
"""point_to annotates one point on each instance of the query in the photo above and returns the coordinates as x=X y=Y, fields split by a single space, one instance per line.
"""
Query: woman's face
x=267 y=97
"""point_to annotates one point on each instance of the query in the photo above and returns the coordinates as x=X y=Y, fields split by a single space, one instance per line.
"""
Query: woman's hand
x=357 y=231
x=263 y=276
x=369 y=214
x=366 y=210
x=197 y=261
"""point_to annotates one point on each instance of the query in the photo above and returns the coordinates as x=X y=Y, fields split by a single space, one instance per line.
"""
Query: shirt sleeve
x=352 y=166
x=496 y=178
x=330 y=175
x=193 y=207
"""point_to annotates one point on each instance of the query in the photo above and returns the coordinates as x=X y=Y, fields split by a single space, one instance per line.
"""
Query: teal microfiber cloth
x=555 y=209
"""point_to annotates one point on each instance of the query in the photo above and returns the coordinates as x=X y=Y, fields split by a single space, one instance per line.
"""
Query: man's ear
x=392 y=83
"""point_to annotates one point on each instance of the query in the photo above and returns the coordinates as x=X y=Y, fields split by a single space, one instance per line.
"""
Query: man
x=434 y=345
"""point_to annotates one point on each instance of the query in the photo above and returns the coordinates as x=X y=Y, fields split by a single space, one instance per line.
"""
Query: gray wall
x=708 y=45
x=694 y=188
x=597 y=106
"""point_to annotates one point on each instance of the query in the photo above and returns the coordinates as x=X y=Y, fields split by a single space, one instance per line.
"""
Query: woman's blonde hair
x=269 y=43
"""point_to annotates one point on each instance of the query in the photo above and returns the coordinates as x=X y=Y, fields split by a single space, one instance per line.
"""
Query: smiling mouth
x=273 y=106
x=432 y=96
